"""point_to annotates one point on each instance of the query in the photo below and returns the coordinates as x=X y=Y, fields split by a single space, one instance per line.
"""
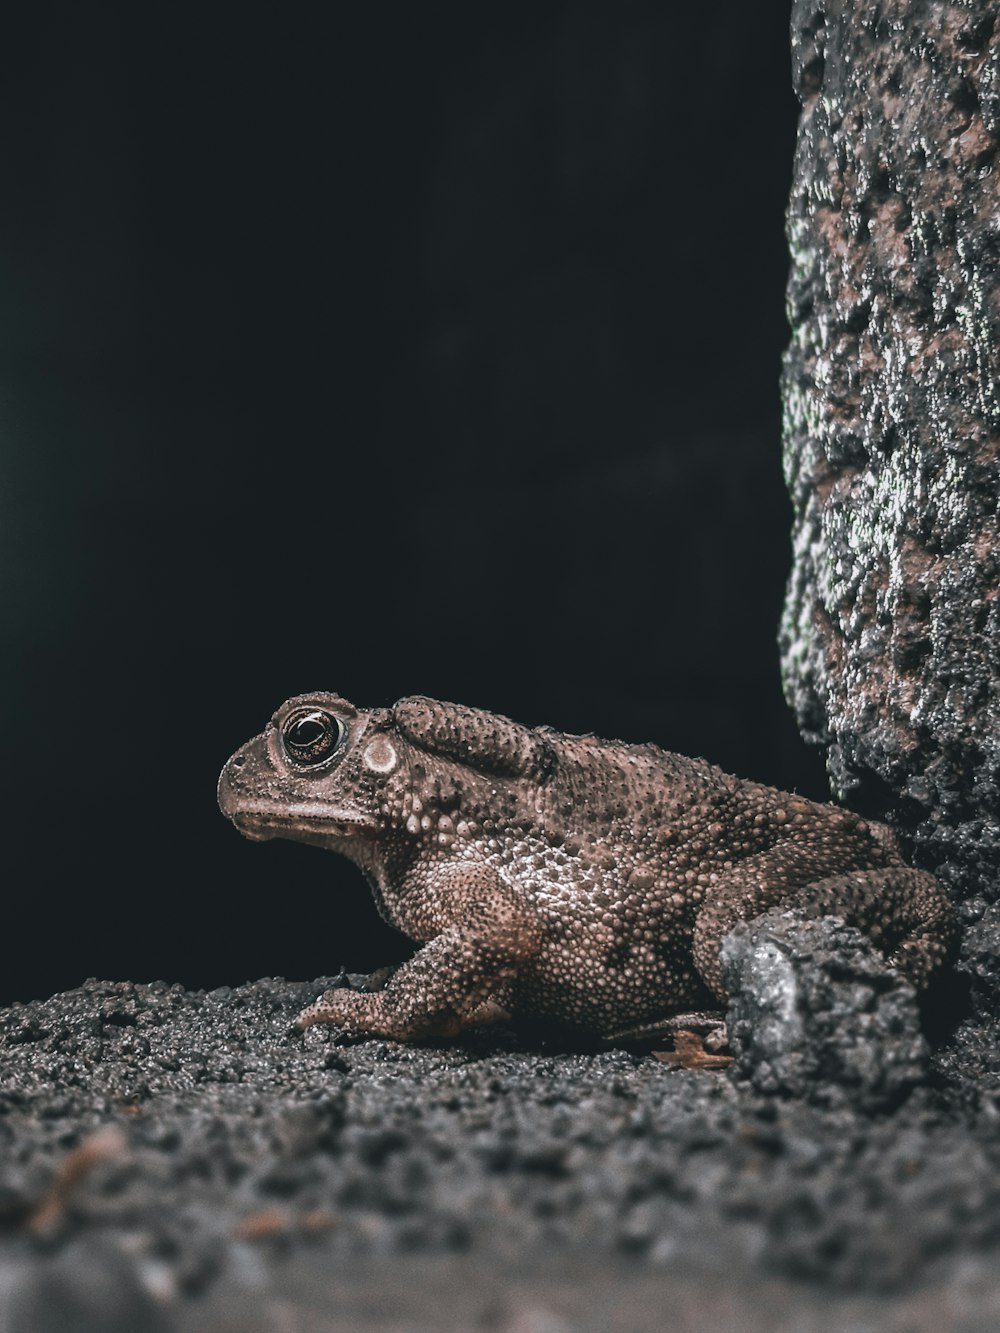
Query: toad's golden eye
x=311 y=735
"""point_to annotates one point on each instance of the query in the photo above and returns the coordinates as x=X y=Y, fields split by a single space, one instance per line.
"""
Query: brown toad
x=562 y=878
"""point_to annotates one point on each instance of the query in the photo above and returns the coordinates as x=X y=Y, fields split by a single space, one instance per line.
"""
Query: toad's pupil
x=307 y=731
x=311 y=736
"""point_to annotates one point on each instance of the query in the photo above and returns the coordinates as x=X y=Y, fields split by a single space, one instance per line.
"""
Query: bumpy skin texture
x=563 y=878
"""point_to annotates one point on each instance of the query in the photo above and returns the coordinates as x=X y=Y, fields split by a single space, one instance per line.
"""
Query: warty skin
x=560 y=878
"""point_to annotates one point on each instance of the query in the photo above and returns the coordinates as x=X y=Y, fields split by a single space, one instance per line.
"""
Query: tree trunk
x=890 y=631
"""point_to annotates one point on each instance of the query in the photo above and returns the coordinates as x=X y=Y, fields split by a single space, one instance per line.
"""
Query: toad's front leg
x=461 y=978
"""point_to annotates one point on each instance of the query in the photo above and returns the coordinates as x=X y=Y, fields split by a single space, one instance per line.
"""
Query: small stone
x=816 y=1013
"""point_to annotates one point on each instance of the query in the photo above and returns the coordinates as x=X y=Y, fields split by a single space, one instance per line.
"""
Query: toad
x=567 y=879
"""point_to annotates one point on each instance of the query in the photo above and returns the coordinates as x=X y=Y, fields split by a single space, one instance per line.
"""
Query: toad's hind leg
x=904 y=912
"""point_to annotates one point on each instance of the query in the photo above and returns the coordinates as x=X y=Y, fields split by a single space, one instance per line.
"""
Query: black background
x=410 y=349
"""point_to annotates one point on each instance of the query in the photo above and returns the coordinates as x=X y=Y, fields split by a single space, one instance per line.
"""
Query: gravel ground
x=181 y=1160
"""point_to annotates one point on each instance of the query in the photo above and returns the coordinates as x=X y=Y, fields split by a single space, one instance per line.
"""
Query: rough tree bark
x=890 y=633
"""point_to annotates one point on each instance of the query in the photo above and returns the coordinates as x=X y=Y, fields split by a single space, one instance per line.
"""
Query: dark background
x=415 y=349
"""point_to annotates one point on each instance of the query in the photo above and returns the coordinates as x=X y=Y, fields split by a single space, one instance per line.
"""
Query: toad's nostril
x=238 y=760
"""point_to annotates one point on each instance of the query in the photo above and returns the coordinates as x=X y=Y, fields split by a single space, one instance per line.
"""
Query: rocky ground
x=174 y=1160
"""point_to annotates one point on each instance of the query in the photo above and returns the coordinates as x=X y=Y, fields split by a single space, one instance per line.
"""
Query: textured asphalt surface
x=177 y=1160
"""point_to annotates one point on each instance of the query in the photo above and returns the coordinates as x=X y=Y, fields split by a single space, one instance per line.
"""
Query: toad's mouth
x=259 y=821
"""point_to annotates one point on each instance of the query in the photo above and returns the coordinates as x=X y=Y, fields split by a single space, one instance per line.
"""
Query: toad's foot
x=691 y=1051
x=698 y=1040
x=362 y=1014
x=707 y=1023
x=459 y=979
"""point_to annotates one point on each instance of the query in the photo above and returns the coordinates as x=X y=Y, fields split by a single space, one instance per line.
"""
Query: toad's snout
x=232 y=795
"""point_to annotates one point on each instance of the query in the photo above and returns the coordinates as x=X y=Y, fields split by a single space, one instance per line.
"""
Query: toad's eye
x=311 y=735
